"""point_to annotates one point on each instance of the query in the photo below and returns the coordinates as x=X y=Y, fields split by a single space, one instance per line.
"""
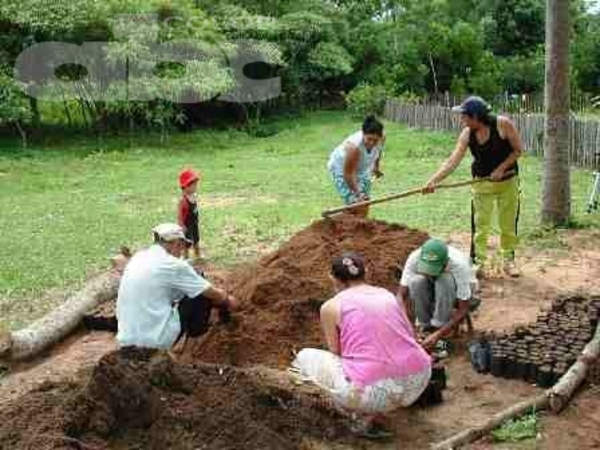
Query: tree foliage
x=318 y=49
x=13 y=109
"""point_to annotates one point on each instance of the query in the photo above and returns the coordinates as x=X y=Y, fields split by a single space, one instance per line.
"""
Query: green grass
x=515 y=430
x=69 y=204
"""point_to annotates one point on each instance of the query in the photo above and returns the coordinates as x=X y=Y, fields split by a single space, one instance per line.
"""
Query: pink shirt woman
x=374 y=363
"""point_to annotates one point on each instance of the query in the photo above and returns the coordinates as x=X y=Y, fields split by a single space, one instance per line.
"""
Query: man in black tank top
x=495 y=145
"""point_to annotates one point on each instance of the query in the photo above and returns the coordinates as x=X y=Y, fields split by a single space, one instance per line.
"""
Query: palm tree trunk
x=556 y=200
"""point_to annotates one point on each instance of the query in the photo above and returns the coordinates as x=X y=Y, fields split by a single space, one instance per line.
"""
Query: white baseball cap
x=170 y=232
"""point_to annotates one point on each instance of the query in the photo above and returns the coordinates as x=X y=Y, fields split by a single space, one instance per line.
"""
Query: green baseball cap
x=434 y=257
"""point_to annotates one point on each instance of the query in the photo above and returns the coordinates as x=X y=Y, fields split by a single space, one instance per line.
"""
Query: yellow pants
x=504 y=196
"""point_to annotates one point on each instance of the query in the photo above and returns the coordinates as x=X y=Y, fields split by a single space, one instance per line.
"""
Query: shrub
x=366 y=99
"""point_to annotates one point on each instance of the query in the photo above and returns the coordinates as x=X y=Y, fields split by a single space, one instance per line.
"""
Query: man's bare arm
x=220 y=298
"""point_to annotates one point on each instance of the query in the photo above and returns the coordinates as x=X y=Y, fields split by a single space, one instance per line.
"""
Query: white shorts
x=326 y=370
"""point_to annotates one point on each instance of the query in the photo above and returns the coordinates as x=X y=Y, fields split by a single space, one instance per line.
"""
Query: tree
x=586 y=54
x=556 y=207
x=198 y=79
x=524 y=74
x=513 y=27
x=318 y=49
x=13 y=111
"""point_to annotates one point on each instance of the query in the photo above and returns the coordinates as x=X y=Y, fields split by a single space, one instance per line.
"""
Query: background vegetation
x=324 y=51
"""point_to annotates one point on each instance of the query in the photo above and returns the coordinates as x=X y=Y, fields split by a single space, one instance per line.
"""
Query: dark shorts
x=193 y=234
x=194 y=316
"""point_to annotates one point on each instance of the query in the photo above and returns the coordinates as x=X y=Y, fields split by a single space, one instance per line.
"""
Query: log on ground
x=61 y=321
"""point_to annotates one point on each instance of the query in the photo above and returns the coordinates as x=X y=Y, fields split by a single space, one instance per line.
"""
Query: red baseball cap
x=187 y=177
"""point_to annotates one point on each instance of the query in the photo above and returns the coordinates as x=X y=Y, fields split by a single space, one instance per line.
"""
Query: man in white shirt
x=436 y=281
x=161 y=297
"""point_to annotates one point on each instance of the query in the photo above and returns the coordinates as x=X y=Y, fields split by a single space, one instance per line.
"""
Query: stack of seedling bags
x=543 y=352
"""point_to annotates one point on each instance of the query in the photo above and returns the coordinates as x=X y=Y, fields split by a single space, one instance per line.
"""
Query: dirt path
x=470 y=398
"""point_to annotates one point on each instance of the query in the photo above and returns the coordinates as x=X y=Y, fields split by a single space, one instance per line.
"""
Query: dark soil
x=282 y=293
x=139 y=399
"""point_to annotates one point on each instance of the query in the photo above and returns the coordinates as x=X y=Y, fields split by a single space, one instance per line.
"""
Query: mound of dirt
x=140 y=399
x=281 y=294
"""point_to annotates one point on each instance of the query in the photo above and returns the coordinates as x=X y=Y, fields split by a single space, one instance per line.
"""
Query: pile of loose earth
x=281 y=294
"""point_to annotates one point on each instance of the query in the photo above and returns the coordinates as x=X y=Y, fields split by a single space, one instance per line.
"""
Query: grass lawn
x=69 y=205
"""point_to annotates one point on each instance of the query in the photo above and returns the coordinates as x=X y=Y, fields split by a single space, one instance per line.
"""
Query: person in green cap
x=436 y=287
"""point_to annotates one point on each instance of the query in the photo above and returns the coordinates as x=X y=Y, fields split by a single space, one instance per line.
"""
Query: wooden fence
x=524 y=103
x=584 y=133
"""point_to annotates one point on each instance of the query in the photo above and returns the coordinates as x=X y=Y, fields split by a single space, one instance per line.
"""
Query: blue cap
x=473 y=106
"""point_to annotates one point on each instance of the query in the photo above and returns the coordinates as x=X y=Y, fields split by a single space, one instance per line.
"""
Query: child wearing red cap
x=188 y=209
